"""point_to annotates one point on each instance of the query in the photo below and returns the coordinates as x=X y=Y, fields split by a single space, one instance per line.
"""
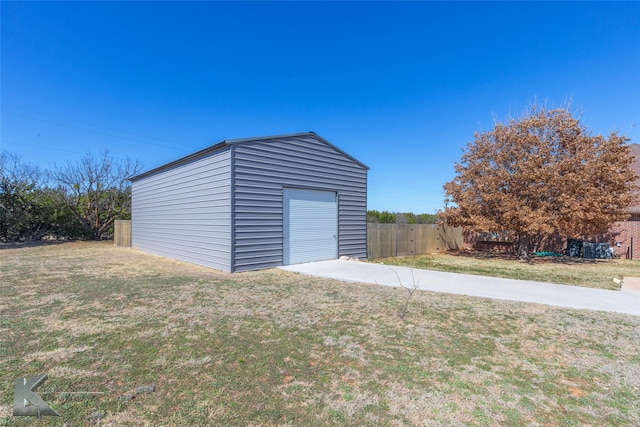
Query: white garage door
x=310 y=226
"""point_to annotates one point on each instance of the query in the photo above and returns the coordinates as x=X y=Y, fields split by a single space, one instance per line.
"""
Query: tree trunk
x=524 y=248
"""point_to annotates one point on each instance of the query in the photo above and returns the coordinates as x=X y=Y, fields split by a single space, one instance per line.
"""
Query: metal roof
x=230 y=142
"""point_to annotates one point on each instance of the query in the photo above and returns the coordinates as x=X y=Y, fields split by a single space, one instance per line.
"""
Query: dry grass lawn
x=273 y=348
x=561 y=270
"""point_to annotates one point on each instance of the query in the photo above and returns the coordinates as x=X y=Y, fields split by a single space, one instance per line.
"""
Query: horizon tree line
x=75 y=201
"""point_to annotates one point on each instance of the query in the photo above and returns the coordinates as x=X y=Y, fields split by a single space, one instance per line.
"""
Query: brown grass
x=275 y=348
x=560 y=270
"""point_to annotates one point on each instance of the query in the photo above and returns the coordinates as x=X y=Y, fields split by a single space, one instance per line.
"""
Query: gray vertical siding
x=262 y=168
x=184 y=212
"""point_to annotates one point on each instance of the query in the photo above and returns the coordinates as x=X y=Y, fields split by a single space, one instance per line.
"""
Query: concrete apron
x=630 y=284
x=627 y=302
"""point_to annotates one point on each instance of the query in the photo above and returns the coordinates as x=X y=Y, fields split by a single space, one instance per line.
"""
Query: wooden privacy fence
x=383 y=240
x=122 y=233
x=388 y=240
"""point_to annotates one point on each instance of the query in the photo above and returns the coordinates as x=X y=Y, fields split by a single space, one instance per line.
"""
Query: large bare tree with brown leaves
x=540 y=174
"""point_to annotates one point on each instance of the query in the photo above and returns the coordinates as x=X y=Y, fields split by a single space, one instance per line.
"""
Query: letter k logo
x=26 y=402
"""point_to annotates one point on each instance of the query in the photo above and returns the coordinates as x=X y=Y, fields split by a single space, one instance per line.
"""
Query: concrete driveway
x=479 y=286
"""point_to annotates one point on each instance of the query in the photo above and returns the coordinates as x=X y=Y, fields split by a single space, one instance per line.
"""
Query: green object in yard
x=542 y=254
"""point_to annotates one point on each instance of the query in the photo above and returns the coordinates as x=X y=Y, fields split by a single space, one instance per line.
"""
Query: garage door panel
x=310 y=226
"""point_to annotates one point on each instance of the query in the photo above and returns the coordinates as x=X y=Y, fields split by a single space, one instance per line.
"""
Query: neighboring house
x=248 y=204
x=628 y=232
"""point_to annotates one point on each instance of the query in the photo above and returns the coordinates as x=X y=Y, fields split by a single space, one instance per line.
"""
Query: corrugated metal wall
x=264 y=167
x=185 y=212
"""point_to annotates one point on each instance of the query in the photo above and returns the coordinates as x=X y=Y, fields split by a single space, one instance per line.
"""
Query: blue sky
x=400 y=86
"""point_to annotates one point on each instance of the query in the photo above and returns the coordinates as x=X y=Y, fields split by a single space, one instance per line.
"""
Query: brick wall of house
x=631 y=227
x=627 y=230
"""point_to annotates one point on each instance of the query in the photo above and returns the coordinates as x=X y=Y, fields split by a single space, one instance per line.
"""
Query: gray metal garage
x=247 y=204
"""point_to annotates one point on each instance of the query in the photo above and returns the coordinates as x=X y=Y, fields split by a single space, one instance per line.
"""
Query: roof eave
x=294 y=135
x=181 y=161
x=227 y=143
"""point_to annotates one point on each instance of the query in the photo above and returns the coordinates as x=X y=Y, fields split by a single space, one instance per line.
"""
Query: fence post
x=122 y=233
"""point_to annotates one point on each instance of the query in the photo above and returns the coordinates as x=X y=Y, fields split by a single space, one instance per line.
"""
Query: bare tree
x=97 y=190
x=541 y=174
x=410 y=291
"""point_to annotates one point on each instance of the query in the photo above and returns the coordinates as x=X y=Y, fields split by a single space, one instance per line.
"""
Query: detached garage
x=248 y=204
